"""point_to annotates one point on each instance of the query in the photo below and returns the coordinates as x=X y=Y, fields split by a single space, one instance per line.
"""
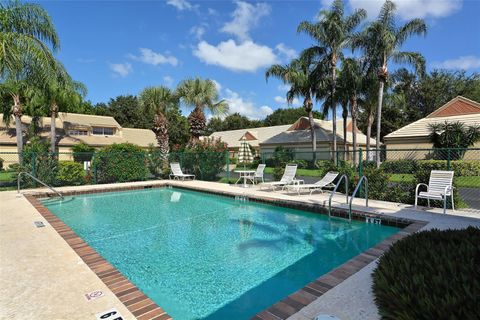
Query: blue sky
x=120 y=47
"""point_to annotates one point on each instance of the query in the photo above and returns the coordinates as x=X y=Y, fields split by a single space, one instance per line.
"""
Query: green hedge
x=70 y=173
x=120 y=163
x=461 y=167
x=1 y=164
x=430 y=275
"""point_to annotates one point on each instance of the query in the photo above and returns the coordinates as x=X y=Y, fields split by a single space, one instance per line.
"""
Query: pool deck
x=42 y=277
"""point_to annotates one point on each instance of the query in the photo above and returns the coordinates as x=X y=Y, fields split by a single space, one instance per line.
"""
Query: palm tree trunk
x=369 y=134
x=17 y=113
x=334 y=110
x=197 y=123
x=53 y=131
x=353 y=112
x=160 y=128
x=313 y=134
x=379 y=119
x=345 y=116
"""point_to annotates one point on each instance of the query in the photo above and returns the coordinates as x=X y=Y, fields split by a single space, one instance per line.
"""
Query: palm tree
x=369 y=105
x=159 y=100
x=381 y=42
x=303 y=83
x=200 y=94
x=351 y=85
x=333 y=32
x=27 y=38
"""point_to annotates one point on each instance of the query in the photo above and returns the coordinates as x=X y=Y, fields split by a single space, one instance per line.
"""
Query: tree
x=178 y=133
x=303 y=83
x=368 y=107
x=283 y=116
x=333 y=33
x=27 y=38
x=351 y=84
x=454 y=135
x=159 y=100
x=200 y=94
x=127 y=111
x=381 y=42
x=233 y=121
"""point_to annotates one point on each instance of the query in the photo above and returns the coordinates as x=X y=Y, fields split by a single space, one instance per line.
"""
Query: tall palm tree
x=369 y=105
x=381 y=42
x=200 y=94
x=351 y=86
x=27 y=38
x=159 y=100
x=303 y=83
x=333 y=31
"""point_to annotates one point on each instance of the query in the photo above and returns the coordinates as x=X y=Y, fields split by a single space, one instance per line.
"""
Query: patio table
x=245 y=174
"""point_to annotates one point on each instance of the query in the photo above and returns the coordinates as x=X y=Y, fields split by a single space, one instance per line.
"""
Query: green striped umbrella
x=244 y=152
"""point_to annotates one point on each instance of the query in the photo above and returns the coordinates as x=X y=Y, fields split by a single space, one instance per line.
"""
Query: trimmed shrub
x=301 y=164
x=399 y=166
x=206 y=158
x=461 y=167
x=343 y=167
x=430 y=275
x=120 y=163
x=82 y=152
x=39 y=162
x=70 y=173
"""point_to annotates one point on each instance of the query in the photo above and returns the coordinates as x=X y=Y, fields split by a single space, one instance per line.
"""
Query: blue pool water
x=203 y=256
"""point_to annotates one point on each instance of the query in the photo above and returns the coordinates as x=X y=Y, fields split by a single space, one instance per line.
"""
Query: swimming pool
x=203 y=256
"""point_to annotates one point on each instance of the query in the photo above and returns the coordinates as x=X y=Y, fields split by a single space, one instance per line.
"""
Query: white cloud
x=408 y=9
x=245 y=17
x=283 y=100
x=283 y=87
x=462 y=63
x=286 y=52
x=247 y=56
x=151 y=57
x=198 y=31
x=121 y=69
x=181 y=4
x=168 y=81
x=218 y=86
x=246 y=108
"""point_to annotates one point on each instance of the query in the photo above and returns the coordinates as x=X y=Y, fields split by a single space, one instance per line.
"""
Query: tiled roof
x=458 y=109
x=455 y=107
x=233 y=137
x=141 y=137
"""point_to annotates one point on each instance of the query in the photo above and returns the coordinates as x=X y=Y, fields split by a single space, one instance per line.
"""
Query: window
x=78 y=132
x=102 y=131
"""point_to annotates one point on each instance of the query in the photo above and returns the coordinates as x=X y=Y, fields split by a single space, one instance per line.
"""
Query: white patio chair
x=259 y=172
x=325 y=182
x=177 y=172
x=439 y=188
x=287 y=178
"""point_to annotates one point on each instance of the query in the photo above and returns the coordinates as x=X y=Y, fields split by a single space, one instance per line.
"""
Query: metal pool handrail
x=39 y=181
x=362 y=179
x=335 y=190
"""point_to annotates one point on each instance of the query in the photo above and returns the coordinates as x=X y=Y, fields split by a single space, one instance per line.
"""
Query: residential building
x=416 y=134
x=72 y=129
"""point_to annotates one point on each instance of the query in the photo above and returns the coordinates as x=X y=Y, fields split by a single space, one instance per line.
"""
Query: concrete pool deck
x=43 y=278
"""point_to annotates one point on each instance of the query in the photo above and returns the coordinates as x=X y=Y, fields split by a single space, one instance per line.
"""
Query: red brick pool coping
x=143 y=308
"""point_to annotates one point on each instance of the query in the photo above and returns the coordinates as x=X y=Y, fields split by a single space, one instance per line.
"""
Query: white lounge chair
x=439 y=188
x=177 y=172
x=259 y=172
x=325 y=182
x=287 y=178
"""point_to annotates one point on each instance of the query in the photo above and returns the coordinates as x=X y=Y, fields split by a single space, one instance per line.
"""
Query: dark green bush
x=82 y=152
x=399 y=166
x=206 y=158
x=1 y=164
x=461 y=167
x=430 y=275
x=39 y=162
x=301 y=164
x=343 y=167
x=120 y=163
x=157 y=163
x=70 y=173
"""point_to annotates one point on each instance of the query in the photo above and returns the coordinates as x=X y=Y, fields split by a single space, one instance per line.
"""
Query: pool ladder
x=344 y=177
x=39 y=181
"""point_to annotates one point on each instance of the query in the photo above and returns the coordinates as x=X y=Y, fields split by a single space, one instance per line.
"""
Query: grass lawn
x=301 y=172
x=7 y=176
